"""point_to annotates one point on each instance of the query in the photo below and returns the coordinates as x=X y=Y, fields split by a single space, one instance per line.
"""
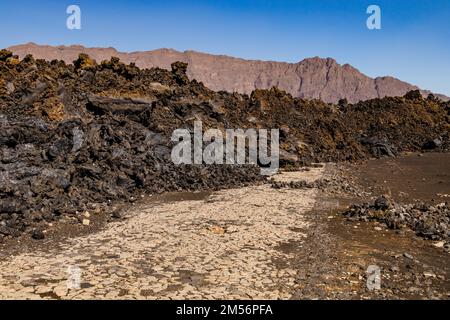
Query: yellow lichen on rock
x=5 y=54
x=84 y=62
x=52 y=108
x=12 y=61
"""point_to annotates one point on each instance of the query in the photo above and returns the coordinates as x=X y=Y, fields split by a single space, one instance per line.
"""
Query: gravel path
x=223 y=247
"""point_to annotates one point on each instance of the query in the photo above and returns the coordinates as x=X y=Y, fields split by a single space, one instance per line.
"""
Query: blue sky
x=413 y=44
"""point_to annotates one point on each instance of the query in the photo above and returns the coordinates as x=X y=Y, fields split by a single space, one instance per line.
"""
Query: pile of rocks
x=428 y=221
x=332 y=183
x=302 y=184
x=320 y=184
x=65 y=150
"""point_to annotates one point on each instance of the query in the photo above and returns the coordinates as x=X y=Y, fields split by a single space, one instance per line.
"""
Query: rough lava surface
x=90 y=135
x=312 y=78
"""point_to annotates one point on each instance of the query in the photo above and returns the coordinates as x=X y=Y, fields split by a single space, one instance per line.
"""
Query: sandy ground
x=228 y=245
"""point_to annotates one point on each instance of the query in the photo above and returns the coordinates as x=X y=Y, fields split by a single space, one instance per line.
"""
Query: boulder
x=413 y=95
x=84 y=62
x=38 y=234
x=432 y=144
x=5 y=54
x=378 y=147
x=179 y=69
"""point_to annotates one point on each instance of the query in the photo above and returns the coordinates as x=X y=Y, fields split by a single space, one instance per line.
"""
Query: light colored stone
x=61 y=291
x=439 y=244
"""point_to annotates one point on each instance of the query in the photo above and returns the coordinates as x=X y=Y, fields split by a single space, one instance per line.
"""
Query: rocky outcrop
x=323 y=79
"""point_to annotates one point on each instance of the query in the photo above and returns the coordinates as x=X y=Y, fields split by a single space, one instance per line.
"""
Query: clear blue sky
x=413 y=45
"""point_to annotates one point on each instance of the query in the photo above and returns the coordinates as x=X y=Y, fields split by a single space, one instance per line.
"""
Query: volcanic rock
x=428 y=221
x=312 y=78
x=76 y=135
x=38 y=234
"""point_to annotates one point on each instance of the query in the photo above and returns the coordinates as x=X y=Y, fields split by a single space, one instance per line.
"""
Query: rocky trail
x=226 y=245
x=255 y=242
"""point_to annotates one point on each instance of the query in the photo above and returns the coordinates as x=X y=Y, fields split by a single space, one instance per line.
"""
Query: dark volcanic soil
x=334 y=261
x=413 y=177
x=412 y=192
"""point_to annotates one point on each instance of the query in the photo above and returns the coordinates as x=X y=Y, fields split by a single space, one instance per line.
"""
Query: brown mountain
x=310 y=78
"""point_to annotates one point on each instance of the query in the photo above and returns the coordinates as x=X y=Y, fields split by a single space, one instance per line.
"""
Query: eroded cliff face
x=323 y=79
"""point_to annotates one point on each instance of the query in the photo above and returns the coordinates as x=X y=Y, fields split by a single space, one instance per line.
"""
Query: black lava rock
x=38 y=234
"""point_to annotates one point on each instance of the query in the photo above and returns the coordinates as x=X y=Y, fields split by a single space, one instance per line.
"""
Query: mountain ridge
x=311 y=78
